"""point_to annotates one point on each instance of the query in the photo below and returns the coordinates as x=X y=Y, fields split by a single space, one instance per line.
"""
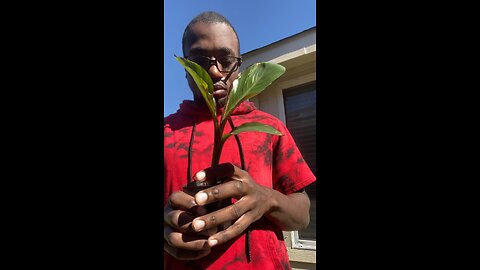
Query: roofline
x=278 y=41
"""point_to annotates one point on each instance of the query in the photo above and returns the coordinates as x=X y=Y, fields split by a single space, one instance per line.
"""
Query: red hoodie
x=273 y=161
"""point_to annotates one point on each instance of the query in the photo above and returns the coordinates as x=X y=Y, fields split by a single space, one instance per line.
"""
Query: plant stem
x=217 y=143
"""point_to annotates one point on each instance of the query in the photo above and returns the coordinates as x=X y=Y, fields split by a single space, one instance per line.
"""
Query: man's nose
x=214 y=73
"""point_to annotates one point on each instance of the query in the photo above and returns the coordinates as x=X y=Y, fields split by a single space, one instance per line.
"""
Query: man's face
x=213 y=40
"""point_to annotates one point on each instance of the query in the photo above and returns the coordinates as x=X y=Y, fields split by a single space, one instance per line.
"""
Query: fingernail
x=212 y=242
x=200 y=176
x=201 y=197
x=198 y=225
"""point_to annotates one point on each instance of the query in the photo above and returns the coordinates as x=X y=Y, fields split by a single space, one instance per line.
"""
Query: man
x=266 y=186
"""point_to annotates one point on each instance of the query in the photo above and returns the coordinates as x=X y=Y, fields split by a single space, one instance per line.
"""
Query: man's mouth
x=219 y=90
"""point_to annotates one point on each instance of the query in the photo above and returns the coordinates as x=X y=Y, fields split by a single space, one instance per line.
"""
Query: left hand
x=253 y=202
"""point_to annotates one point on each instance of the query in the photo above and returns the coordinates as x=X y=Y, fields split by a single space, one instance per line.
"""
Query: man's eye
x=200 y=60
x=226 y=62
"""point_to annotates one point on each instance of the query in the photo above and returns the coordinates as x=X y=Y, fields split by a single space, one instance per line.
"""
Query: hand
x=180 y=240
x=253 y=201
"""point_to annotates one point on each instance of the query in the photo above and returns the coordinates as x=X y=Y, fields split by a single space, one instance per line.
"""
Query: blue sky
x=258 y=23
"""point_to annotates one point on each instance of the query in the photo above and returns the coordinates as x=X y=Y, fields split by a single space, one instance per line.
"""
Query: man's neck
x=201 y=101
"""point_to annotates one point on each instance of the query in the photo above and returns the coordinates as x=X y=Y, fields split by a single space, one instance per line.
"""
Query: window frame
x=299 y=243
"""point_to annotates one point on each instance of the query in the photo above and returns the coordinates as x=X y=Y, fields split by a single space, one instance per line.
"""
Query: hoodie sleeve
x=290 y=171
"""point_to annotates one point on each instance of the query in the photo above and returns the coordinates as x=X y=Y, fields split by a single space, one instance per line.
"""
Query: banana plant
x=249 y=83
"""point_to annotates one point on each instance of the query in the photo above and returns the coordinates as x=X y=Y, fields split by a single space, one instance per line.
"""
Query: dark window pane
x=301 y=116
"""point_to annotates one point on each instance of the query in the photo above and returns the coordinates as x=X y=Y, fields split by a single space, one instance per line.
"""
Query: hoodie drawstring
x=189 y=168
x=242 y=160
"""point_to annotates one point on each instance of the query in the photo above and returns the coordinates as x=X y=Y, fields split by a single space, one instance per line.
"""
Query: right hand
x=179 y=239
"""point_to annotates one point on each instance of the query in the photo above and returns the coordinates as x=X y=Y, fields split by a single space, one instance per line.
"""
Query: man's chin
x=221 y=102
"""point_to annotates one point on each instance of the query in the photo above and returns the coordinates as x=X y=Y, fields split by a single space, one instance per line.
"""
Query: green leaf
x=203 y=81
x=252 y=126
x=251 y=83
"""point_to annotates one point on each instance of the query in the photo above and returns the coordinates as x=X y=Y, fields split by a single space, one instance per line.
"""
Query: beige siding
x=298 y=55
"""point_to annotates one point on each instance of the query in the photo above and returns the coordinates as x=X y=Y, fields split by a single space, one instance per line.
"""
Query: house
x=292 y=99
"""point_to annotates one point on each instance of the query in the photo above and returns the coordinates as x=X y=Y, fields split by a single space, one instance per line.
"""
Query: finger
x=208 y=232
x=184 y=241
x=181 y=254
x=233 y=231
x=212 y=220
x=166 y=231
x=216 y=173
x=180 y=200
x=178 y=219
x=188 y=229
x=231 y=189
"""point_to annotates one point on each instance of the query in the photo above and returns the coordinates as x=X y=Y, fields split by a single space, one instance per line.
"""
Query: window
x=300 y=115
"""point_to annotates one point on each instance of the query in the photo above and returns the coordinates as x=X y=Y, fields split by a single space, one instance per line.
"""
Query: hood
x=190 y=107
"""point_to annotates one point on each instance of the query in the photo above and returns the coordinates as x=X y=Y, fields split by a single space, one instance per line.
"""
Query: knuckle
x=238 y=228
x=170 y=219
x=212 y=220
x=235 y=212
x=171 y=239
x=215 y=192
x=174 y=198
x=224 y=237
x=239 y=186
x=229 y=233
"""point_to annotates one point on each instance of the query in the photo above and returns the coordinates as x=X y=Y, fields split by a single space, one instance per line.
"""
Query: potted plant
x=249 y=83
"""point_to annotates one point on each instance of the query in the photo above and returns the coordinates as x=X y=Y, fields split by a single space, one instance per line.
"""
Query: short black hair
x=207 y=17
